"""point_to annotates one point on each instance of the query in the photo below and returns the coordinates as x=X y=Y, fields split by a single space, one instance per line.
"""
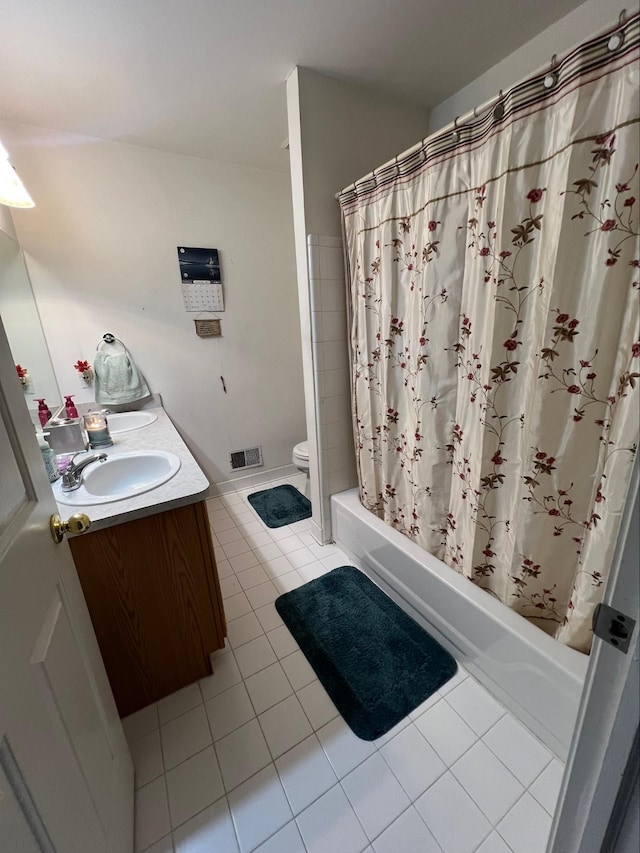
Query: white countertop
x=188 y=486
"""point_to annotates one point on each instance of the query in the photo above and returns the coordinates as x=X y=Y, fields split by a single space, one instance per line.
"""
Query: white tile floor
x=256 y=757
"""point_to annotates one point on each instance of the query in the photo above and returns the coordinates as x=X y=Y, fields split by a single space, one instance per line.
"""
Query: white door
x=66 y=778
x=598 y=799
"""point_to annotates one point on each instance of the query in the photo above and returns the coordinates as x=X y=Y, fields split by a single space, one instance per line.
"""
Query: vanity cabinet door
x=154 y=597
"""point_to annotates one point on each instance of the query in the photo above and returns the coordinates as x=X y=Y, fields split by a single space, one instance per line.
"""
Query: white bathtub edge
x=529 y=672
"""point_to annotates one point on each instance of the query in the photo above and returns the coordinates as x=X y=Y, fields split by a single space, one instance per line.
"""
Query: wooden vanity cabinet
x=153 y=593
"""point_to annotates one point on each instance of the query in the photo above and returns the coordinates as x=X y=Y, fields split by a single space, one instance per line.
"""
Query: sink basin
x=121 y=476
x=126 y=421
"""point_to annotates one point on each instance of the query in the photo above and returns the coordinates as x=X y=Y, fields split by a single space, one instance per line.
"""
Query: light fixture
x=12 y=190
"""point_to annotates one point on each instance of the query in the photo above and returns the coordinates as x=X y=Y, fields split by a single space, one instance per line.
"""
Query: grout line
x=208 y=806
x=379 y=748
x=168 y=836
x=509 y=812
x=493 y=829
x=215 y=754
x=166 y=793
x=526 y=787
x=295 y=692
x=478 y=806
x=546 y=767
x=404 y=811
x=504 y=713
x=357 y=816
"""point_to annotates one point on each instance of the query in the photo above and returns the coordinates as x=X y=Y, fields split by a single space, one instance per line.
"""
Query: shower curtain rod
x=460 y=121
x=453 y=125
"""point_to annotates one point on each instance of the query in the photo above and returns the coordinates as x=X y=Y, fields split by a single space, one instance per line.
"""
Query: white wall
x=101 y=249
x=585 y=21
x=6 y=222
x=347 y=130
x=337 y=133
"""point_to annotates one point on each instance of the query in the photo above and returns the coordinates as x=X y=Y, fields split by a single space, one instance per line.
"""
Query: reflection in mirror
x=21 y=320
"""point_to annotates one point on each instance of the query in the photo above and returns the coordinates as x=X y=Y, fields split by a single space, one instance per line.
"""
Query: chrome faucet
x=72 y=477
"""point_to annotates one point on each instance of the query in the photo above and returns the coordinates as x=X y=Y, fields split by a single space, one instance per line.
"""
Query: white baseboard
x=250 y=480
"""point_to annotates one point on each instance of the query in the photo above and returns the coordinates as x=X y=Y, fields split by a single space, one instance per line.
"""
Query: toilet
x=300 y=458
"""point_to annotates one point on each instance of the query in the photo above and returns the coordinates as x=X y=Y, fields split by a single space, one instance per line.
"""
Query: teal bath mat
x=375 y=662
x=280 y=505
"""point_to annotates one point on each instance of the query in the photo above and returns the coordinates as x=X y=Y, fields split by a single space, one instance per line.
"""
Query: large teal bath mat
x=280 y=505
x=375 y=662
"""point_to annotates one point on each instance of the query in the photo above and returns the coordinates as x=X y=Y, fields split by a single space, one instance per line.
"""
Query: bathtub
x=538 y=679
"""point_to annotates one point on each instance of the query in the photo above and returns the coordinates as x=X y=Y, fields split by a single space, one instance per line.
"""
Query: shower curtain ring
x=498 y=110
x=551 y=78
x=617 y=39
x=455 y=134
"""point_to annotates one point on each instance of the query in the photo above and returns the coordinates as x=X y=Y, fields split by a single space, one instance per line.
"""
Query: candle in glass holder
x=97 y=429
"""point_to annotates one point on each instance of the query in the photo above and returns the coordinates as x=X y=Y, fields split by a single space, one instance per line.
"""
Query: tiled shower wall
x=327 y=297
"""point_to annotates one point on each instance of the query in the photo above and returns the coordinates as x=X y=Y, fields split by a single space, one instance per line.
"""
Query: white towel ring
x=111 y=340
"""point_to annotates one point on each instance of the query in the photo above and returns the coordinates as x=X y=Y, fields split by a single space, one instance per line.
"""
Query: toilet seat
x=302 y=450
x=300 y=458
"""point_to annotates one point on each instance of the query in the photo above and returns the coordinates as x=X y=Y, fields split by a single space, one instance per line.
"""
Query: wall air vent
x=249 y=458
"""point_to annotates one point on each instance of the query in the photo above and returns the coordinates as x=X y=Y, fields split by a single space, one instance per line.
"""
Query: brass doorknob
x=77 y=523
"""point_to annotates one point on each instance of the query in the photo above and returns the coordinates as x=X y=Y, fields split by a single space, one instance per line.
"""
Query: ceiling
x=206 y=77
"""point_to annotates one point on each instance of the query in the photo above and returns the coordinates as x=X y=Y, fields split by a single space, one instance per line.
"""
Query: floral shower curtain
x=494 y=280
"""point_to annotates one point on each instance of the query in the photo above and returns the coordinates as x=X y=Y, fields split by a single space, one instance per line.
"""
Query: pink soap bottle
x=70 y=409
x=44 y=412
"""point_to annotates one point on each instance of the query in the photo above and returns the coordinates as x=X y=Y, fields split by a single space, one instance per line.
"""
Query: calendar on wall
x=203 y=296
x=201 y=279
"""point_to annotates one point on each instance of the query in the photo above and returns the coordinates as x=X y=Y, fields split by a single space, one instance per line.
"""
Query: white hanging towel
x=117 y=379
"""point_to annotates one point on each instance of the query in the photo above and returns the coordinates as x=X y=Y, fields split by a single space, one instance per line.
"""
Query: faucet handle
x=71 y=467
x=73 y=459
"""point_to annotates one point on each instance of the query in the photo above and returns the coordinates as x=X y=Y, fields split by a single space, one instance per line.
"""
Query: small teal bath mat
x=280 y=505
x=375 y=662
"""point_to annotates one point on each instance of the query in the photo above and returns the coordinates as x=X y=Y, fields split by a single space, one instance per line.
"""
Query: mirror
x=24 y=331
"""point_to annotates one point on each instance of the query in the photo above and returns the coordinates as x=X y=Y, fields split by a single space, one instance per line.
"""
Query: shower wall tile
x=322 y=240
x=334 y=326
x=331 y=263
x=338 y=481
x=333 y=383
x=318 y=355
x=314 y=265
x=316 y=326
x=315 y=298
x=329 y=333
x=333 y=357
x=321 y=415
x=333 y=409
x=338 y=434
x=324 y=471
x=323 y=384
x=339 y=459
x=332 y=296
x=326 y=515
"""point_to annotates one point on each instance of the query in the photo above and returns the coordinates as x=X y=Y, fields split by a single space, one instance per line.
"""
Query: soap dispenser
x=44 y=412
x=70 y=409
x=48 y=457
